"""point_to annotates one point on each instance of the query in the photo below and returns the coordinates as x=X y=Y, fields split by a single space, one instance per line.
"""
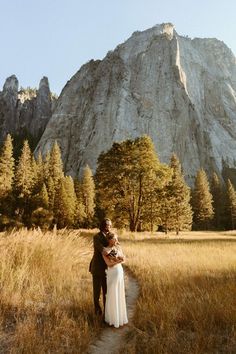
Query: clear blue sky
x=54 y=38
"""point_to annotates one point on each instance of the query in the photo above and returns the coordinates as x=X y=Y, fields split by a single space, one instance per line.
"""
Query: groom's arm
x=98 y=245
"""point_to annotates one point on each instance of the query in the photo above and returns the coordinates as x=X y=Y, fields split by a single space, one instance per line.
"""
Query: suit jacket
x=98 y=265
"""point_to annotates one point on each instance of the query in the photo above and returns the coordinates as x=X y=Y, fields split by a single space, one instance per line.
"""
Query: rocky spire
x=10 y=89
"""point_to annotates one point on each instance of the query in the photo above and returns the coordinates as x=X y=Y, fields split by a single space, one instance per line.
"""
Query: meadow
x=187 y=300
x=45 y=292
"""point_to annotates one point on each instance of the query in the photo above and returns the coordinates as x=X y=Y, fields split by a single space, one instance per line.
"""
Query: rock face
x=181 y=92
x=24 y=112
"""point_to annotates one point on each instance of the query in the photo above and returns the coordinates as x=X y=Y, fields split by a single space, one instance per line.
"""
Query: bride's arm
x=111 y=262
x=121 y=255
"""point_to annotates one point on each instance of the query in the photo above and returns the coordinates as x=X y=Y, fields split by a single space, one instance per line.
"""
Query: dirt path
x=111 y=338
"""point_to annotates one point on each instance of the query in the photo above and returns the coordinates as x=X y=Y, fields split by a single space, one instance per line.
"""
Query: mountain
x=24 y=113
x=179 y=91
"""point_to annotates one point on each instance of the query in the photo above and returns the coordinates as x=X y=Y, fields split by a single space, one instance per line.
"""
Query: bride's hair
x=112 y=236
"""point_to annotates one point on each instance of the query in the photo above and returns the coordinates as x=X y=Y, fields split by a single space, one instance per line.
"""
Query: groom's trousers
x=99 y=282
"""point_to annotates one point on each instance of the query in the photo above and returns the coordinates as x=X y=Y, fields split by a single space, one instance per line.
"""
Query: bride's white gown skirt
x=115 y=309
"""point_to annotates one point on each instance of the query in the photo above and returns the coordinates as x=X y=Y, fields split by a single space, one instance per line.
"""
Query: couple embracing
x=107 y=271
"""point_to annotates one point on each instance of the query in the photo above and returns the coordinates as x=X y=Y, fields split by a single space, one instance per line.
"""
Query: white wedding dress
x=115 y=308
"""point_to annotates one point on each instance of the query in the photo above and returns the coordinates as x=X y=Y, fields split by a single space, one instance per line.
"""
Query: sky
x=54 y=38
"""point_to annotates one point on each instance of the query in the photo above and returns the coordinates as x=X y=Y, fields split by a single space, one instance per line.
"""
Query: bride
x=115 y=308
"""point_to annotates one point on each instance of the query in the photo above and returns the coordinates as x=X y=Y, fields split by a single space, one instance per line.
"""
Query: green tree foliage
x=202 y=201
x=56 y=165
x=42 y=217
x=176 y=211
x=231 y=205
x=6 y=168
x=51 y=192
x=88 y=195
x=124 y=177
x=24 y=181
x=40 y=170
x=6 y=183
x=72 y=199
x=218 y=200
x=80 y=208
x=43 y=200
x=65 y=202
x=46 y=164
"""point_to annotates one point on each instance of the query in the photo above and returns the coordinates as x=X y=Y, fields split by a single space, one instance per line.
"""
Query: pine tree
x=64 y=203
x=71 y=196
x=80 y=209
x=24 y=181
x=177 y=211
x=43 y=199
x=202 y=201
x=231 y=204
x=218 y=202
x=88 y=194
x=46 y=166
x=55 y=164
x=51 y=192
x=36 y=186
x=6 y=183
x=41 y=215
x=6 y=168
x=40 y=170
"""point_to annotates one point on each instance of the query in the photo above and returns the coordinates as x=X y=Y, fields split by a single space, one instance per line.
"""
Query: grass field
x=45 y=293
x=187 y=301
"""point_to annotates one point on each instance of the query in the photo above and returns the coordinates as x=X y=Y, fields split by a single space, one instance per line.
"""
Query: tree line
x=131 y=186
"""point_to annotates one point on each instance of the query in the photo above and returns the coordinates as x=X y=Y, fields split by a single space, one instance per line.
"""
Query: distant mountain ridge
x=25 y=112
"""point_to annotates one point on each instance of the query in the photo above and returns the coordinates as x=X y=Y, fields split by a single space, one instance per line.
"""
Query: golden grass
x=187 y=301
x=45 y=292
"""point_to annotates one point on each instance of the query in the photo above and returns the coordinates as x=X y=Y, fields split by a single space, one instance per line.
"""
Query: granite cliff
x=180 y=91
x=24 y=113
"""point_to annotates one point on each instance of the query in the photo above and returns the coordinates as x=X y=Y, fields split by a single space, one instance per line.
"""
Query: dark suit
x=97 y=268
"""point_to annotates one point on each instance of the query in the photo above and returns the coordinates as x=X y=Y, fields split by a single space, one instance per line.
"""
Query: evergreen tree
x=202 y=201
x=36 y=186
x=6 y=183
x=64 y=203
x=231 y=204
x=80 y=209
x=40 y=170
x=24 y=181
x=6 y=169
x=51 y=192
x=43 y=200
x=41 y=215
x=218 y=202
x=176 y=210
x=71 y=199
x=46 y=166
x=55 y=164
x=88 y=195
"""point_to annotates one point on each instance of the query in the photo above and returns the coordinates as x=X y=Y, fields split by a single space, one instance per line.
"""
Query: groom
x=98 y=266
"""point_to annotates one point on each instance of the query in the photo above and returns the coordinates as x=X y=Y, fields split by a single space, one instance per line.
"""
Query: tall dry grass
x=187 y=301
x=45 y=292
